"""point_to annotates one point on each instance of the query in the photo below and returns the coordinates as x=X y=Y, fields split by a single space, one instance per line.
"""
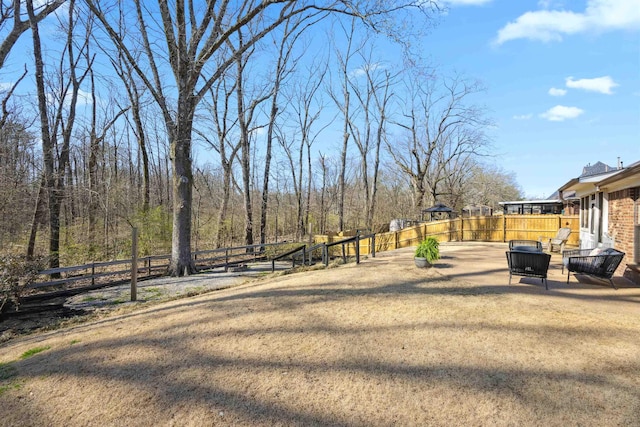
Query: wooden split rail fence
x=97 y=274
x=491 y=229
x=100 y=274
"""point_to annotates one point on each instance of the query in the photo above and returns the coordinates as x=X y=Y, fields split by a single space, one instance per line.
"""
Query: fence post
x=325 y=255
x=93 y=273
x=357 y=249
x=504 y=228
x=373 y=245
x=226 y=259
x=134 y=264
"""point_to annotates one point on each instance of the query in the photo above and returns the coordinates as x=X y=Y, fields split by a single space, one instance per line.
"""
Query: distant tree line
x=214 y=123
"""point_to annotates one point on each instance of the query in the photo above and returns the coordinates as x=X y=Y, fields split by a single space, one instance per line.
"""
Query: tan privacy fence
x=480 y=228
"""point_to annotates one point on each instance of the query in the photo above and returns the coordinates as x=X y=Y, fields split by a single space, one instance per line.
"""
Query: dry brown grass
x=379 y=344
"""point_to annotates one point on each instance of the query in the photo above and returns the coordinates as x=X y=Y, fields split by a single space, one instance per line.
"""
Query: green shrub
x=429 y=249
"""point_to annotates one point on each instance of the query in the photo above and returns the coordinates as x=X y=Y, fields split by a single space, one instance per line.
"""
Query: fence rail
x=485 y=228
x=96 y=273
x=492 y=229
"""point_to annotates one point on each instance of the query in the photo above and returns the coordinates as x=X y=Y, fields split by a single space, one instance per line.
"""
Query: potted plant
x=427 y=252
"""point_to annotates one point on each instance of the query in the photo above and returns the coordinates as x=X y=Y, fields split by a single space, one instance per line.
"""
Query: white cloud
x=560 y=113
x=84 y=98
x=599 y=84
x=551 y=25
x=557 y=92
x=359 y=72
x=523 y=117
x=259 y=131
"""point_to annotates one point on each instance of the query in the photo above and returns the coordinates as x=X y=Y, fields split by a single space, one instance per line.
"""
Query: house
x=532 y=207
x=610 y=211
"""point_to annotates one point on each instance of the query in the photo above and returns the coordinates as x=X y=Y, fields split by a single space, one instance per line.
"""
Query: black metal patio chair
x=593 y=262
x=530 y=264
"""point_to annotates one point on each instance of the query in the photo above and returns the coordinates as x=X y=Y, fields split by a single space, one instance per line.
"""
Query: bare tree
x=489 y=184
x=440 y=130
x=246 y=109
x=220 y=140
x=292 y=30
x=323 y=192
x=343 y=102
x=368 y=125
x=5 y=113
x=11 y=20
x=18 y=171
x=307 y=107
x=135 y=96
x=97 y=135
x=191 y=36
x=56 y=135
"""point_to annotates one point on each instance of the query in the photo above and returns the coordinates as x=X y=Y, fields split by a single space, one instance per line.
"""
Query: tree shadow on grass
x=195 y=378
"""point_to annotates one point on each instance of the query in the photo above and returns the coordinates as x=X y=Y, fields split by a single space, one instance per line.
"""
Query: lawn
x=376 y=344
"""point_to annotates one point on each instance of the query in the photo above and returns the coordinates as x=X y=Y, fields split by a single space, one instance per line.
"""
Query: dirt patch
x=42 y=312
x=380 y=343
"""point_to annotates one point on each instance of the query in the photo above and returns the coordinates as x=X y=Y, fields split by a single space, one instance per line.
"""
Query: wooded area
x=216 y=123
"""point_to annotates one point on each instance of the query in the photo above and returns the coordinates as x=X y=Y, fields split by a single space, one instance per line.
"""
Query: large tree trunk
x=223 y=226
x=180 y=153
x=267 y=167
x=181 y=263
x=38 y=217
x=343 y=165
x=323 y=192
x=47 y=144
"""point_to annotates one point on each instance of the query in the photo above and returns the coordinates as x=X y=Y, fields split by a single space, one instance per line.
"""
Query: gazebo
x=436 y=212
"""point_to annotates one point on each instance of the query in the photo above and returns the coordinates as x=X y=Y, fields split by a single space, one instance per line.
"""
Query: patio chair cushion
x=595 y=251
x=609 y=251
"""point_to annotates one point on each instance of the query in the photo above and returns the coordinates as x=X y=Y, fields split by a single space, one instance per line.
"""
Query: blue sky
x=562 y=77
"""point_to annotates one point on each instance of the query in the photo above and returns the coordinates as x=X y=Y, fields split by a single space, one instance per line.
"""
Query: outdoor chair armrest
x=575 y=252
x=525 y=245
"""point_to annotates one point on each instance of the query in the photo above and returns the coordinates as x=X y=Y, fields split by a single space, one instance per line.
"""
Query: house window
x=584 y=214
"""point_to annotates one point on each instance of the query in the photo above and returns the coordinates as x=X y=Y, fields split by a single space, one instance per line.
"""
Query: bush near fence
x=480 y=228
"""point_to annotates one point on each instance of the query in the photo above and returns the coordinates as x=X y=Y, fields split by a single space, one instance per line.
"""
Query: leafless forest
x=209 y=123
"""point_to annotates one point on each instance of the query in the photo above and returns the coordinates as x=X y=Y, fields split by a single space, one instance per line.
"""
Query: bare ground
x=380 y=343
